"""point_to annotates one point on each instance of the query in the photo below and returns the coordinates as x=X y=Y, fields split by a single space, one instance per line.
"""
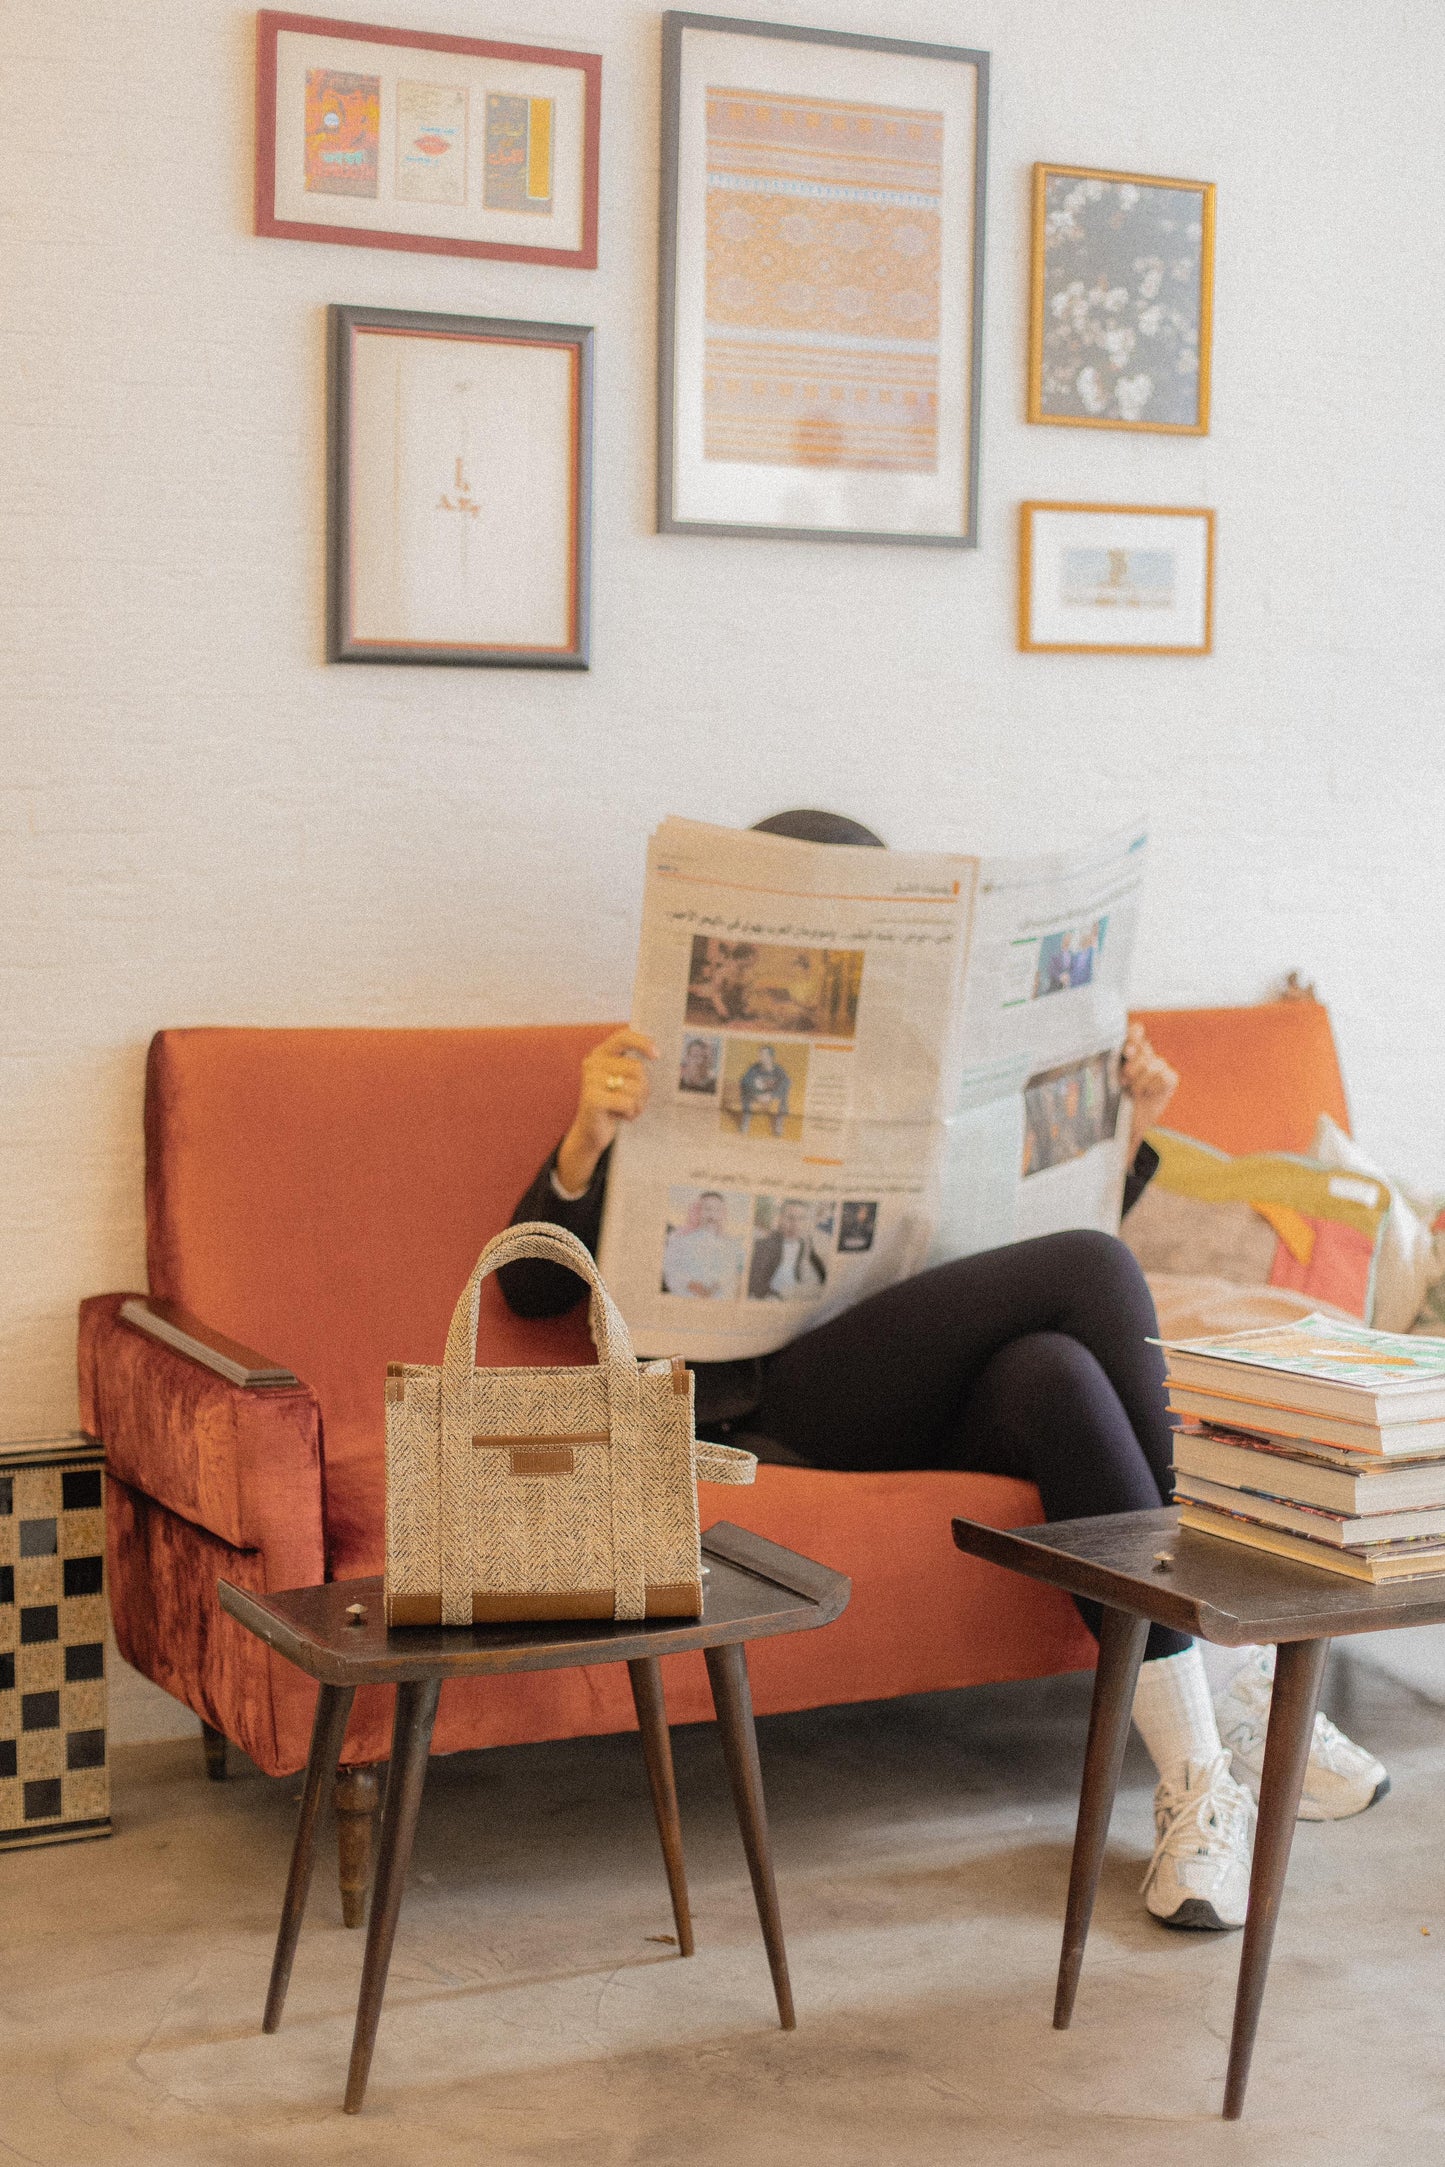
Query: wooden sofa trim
x=239 y=1365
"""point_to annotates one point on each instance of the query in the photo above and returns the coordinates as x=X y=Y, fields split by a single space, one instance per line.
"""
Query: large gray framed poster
x=821 y=284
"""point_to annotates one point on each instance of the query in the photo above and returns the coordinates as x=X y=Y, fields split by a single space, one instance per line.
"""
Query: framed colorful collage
x=821 y=284
x=406 y=139
x=460 y=479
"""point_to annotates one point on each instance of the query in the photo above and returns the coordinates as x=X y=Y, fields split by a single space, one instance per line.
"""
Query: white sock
x=1174 y=1711
x=1223 y=1665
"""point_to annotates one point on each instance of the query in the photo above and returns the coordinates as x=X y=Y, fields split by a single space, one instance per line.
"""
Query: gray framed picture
x=459 y=514
x=821 y=284
x=1123 y=296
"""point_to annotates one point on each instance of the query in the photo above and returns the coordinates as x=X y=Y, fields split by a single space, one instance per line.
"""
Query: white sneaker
x=1341 y=1779
x=1204 y=1839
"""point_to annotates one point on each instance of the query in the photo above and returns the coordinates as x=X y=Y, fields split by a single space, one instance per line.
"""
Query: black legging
x=1032 y=1361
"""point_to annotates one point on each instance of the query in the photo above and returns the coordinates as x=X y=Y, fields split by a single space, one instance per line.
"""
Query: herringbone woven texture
x=619 y=1518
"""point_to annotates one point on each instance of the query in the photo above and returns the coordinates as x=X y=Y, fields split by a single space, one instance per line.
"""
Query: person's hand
x=615 y=1085
x=1150 y=1082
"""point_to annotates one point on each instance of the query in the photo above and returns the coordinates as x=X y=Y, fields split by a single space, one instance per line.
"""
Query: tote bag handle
x=610 y=1336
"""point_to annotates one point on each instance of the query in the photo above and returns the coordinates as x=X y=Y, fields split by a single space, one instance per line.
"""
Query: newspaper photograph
x=867 y=1061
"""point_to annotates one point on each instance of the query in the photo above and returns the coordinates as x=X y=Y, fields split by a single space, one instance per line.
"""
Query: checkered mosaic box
x=54 y=1782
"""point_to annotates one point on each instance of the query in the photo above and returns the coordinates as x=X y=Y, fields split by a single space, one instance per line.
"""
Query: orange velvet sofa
x=322 y=1195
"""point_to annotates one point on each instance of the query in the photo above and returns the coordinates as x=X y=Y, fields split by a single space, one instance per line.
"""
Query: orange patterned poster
x=343 y=132
x=823 y=282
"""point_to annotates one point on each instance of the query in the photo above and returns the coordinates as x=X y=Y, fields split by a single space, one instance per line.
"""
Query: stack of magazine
x=1321 y=1441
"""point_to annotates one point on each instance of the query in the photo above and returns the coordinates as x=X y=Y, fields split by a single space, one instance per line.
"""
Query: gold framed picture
x=1122 y=301
x=1116 y=579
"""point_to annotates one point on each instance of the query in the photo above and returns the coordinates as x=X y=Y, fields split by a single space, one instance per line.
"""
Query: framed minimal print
x=405 y=139
x=822 y=273
x=459 y=489
x=1116 y=579
x=1123 y=286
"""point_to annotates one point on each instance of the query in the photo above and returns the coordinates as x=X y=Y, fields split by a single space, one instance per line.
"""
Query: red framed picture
x=379 y=138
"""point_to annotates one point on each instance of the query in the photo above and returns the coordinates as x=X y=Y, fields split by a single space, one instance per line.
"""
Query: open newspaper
x=868 y=1061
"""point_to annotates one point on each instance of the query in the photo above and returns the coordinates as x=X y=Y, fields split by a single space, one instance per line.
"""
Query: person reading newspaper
x=1035 y=1361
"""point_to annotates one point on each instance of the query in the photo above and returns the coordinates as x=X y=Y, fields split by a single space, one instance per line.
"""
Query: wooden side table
x=54 y=1778
x=1143 y=1567
x=754 y=1589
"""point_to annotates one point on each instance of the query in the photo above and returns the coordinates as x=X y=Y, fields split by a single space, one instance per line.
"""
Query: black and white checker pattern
x=54 y=1780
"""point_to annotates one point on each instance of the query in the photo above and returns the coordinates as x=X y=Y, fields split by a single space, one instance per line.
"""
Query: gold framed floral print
x=1122 y=303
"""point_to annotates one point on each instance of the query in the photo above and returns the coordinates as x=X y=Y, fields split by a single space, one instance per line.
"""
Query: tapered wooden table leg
x=1121 y=1649
x=416 y=1707
x=1299 y=1667
x=328 y=1729
x=356 y=1793
x=727 y=1670
x=647 y=1697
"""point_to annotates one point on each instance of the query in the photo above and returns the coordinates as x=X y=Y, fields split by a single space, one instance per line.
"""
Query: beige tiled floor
x=534 y=2017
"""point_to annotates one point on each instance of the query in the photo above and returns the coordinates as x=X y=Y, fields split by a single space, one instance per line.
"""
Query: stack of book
x=1319 y=1441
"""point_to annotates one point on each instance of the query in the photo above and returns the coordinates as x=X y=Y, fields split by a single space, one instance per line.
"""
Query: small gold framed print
x=1116 y=579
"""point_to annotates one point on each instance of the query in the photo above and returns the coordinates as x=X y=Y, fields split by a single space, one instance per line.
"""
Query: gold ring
x=615 y=1083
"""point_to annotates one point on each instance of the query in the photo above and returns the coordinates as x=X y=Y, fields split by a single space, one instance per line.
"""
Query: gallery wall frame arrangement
x=1116 y=579
x=1122 y=301
x=820 y=319
x=459 y=497
x=384 y=138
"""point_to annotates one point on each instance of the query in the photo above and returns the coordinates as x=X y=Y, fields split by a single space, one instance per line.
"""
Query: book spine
x=1230 y=1529
x=1350 y=1531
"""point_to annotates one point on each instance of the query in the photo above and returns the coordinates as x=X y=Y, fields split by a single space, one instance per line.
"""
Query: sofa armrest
x=243 y=1464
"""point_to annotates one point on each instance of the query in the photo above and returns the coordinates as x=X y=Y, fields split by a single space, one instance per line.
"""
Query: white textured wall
x=203 y=823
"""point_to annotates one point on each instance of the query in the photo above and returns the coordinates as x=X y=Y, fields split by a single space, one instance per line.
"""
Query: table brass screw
x=356 y=1613
x=1163 y=1561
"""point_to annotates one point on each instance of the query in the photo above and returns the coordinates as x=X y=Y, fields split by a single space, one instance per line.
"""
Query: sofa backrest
x=322 y=1195
x=1250 y=1079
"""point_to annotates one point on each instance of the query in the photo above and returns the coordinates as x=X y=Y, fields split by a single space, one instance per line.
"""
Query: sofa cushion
x=1407 y=1253
x=921 y=1618
x=1265 y=1219
x=1197 y=1305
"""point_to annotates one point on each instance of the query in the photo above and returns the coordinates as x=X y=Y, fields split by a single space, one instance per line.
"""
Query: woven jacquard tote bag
x=544 y=1493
